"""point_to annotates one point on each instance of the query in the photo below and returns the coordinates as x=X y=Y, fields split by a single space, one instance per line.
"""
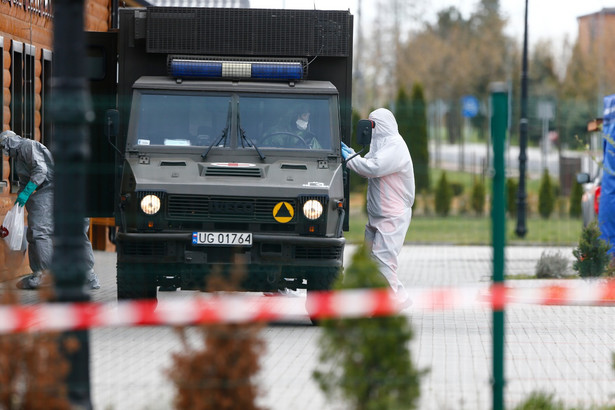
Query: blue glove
x=345 y=153
x=23 y=196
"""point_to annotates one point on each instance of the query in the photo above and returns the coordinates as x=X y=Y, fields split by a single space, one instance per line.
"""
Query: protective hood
x=388 y=165
x=386 y=126
x=10 y=142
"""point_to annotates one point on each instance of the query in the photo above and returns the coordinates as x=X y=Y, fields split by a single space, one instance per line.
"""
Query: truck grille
x=232 y=172
x=197 y=208
x=144 y=248
x=305 y=252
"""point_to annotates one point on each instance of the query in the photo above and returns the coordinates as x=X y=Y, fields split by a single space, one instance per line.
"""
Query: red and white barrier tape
x=235 y=308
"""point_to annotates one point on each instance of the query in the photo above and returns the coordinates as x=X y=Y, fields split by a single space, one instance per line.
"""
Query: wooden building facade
x=26 y=46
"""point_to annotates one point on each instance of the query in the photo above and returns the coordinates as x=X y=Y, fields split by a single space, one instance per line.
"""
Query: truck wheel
x=135 y=281
x=317 y=281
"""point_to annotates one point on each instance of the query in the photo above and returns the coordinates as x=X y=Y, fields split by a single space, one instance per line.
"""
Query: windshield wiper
x=223 y=135
x=245 y=138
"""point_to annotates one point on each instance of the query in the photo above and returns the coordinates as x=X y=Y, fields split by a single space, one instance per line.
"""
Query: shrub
x=426 y=201
x=610 y=270
x=546 y=196
x=457 y=188
x=478 y=197
x=367 y=361
x=591 y=253
x=511 y=197
x=411 y=114
x=461 y=204
x=357 y=182
x=219 y=374
x=444 y=196
x=540 y=401
x=33 y=370
x=562 y=206
x=576 y=194
x=34 y=366
x=551 y=265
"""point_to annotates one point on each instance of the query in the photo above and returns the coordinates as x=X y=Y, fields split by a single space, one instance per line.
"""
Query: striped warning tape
x=236 y=308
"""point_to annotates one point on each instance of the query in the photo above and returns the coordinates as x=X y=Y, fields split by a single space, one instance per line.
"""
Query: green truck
x=201 y=160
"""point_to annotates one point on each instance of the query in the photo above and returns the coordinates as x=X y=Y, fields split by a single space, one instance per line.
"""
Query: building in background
x=596 y=42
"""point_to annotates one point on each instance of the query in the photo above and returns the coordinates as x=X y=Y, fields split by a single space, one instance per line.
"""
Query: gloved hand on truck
x=346 y=151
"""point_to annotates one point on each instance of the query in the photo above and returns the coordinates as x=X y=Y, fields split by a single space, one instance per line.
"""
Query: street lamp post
x=521 y=228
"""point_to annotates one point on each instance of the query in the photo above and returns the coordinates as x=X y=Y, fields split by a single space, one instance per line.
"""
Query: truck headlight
x=150 y=204
x=312 y=209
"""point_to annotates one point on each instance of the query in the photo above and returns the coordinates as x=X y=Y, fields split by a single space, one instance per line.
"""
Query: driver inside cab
x=294 y=133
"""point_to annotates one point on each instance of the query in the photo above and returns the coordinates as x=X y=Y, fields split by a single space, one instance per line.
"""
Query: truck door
x=102 y=73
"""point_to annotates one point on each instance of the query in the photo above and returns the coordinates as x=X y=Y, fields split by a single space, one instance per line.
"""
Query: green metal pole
x=70 y=109
x=499 y=121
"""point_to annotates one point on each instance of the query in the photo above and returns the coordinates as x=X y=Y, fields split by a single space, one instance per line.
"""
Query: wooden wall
x=30 y=22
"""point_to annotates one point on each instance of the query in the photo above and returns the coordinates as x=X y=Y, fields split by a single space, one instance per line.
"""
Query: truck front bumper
x=160 y=247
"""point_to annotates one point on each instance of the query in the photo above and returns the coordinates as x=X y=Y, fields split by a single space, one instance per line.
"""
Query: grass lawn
x=470 y=230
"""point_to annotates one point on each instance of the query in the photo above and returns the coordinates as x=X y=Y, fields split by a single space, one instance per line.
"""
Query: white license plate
x=222 y=238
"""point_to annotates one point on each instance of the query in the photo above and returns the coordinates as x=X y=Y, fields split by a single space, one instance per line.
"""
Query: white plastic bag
x=13 y=228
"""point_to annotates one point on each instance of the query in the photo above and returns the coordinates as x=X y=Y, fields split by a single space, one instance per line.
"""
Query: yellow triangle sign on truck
x=283 y=212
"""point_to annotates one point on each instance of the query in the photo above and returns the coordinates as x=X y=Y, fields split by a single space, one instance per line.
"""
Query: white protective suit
x=390 y=194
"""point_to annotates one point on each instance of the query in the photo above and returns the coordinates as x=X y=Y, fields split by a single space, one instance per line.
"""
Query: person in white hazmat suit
x=390 y=195
x=33 y=165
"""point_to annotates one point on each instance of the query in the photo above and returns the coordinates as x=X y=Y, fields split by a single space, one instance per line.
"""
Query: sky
x=547 y=19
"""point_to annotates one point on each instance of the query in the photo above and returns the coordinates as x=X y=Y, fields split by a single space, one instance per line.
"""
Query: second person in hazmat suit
x=390 y=196
x=33 y=166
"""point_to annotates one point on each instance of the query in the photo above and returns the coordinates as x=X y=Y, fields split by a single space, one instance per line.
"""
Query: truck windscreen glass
x=181 y=119
x=287 y=121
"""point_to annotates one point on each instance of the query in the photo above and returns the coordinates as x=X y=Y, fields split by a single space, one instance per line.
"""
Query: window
x=180 y=119
x=287 y=121
x=29 y=71
x=17 y=87
x=17 y=101
x=46 y=98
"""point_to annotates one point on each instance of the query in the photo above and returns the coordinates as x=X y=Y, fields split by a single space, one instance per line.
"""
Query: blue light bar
x=196 y=69
x=263 y=70
x=277 y=71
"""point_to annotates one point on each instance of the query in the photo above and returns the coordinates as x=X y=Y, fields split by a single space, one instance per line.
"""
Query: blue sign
x=469 y=106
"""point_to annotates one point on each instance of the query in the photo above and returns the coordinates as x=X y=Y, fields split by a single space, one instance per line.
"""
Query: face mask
x=302 y=124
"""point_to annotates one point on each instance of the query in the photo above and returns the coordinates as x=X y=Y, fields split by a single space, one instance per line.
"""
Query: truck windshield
x=182 y=119
x=264 y=121
x=291 y=122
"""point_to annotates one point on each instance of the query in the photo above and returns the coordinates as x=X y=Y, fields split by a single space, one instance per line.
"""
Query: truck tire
x=317 y=281
x=135 y=281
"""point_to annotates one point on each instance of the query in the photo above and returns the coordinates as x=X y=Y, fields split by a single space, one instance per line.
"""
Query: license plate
x=222 y=238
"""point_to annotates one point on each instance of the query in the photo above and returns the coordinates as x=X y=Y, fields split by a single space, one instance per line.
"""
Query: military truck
x=211 y=171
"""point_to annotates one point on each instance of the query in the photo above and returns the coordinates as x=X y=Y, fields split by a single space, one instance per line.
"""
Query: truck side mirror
x=112 y=127
x=583 y=178
x=364 y=132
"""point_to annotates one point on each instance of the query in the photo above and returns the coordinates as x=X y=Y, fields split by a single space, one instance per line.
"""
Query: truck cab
x=229 y=160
